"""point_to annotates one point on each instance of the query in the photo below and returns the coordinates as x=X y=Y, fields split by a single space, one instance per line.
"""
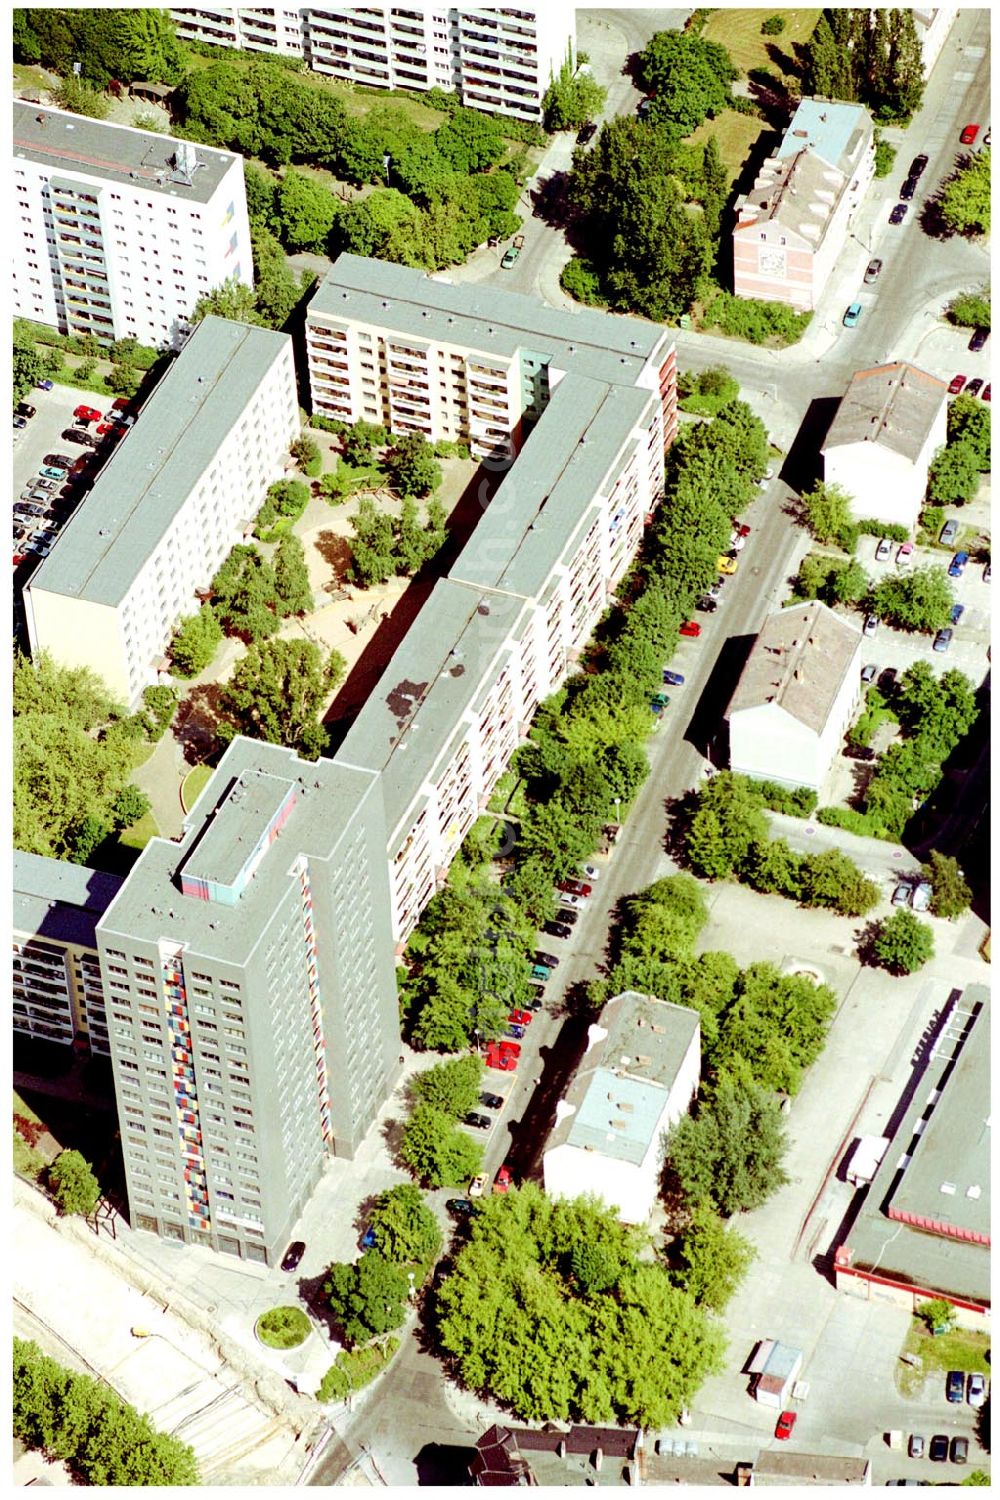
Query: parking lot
x=46 y=494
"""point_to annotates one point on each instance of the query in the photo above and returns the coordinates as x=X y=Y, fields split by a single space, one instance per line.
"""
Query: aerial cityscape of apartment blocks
x=499 y=61
x=251 y=998
x=182 y=488
x=118 y=232
x=469 y=364
x=57 y=986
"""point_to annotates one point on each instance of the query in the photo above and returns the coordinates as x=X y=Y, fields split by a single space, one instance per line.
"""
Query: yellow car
x=477 y=1185
x=727 y=564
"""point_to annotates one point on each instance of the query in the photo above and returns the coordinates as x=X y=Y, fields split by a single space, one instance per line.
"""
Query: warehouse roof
x=488 y=318
x=57 y=900
x=833 y=131
x=799 y=662
x=895 y=405
x=139 y=160
x=158 y=464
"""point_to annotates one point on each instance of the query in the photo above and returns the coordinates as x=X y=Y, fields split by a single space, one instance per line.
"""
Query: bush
x=797 y=801
x=283 y=1327
x=73 y=1184
x=885 y=156
x=756 y=321
x=354 y=1369
x=580 y=279
x=970 y=310
x=707 y=393
x=773 y=26
x=195 y=642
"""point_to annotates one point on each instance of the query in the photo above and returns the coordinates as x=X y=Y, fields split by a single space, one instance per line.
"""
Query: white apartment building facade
x=497 y=60
x=181 y=489
x=118 y=232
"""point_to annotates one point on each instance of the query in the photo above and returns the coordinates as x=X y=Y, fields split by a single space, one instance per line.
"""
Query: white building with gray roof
x=118 y=232
x=888 y=427
x=637 y=1078
x=796 y=696
x=182 y=487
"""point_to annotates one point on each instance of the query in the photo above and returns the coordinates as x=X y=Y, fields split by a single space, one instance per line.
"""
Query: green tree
x=73 y=1184
x=451 y=1087
x=195 y=642
x=969 y=426
x=385 y=225
x=306 y=453
x=373 y=554
x=832 y=879
x=688 y=77
x=828 y=513
x=28 y=365
x=368 y=1298
x=405 y=1229
x=849 y=584
x=436 y=1151
x=291 y=577
x=954 y=474
x=232 y=299
x=278 y=689
x=970 y=310
x=128 y=806
x=713 y=1258
x=965 y=200
x=921 y=600
x=729 y=821
x=106 y=44
x=903 y=943
x=729 y=1154
x=952 y=896
x=571 y=99
x=413 y=469
x=79 y=98
x=470 y=141
x=245 y=595
x=306 y=213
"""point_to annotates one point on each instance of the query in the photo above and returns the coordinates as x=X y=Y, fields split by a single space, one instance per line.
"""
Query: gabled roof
x=798 y=194
x=895 y=405
x=799 y=662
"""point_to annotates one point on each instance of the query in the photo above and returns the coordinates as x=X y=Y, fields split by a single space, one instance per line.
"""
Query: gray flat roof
x=58 y=900
x=234 y=833
x=603 y=345
x=437 y=674
x=955 y=1140
x=158 y=463
x=139 y=160
x=833 y=131
x=545 y=502
x=150 y=905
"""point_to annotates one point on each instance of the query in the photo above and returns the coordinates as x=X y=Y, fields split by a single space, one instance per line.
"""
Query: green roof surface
x=155 y=467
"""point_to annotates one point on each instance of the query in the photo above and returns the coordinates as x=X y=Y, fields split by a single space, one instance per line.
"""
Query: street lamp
x=475 y=1033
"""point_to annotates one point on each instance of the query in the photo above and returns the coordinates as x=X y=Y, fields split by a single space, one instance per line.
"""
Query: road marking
x=964 y=77
x=975 y=52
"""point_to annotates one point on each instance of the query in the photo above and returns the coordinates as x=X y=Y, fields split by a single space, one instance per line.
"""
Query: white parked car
x=922 y=896
x=566 y=898
x=589 y=872
x=883 y=550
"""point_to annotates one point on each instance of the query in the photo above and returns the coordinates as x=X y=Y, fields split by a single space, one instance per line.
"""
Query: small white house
x=888 y=427
x=796 y=696
x=638 y=1076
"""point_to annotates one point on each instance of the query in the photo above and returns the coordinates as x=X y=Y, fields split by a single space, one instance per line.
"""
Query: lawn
x=958 y=1350
x=739 y=32
x=194 y=784
x=736 y=135
x=138 y=835
x=28 y=1160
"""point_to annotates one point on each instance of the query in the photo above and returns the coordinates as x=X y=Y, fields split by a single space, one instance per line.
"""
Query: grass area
x=28 y=1160
x=736 y=134
x=740 y=34
x=283 y=1327
x=355 y=1369
x=138 y=835
x=194 y=784
x=958 y=1350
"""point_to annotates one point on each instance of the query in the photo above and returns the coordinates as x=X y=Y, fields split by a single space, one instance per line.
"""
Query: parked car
x=978 y=339
x=575 y=887
x=901 y=895
x=955 y=1387
x=569 y=898
x=558 y=929
x=293 y=1255
x=548 y=959
x=852 y=317
x=764 y=480
x=74 y=435
x=908 y=189
x=504 y=1180
x=519 y=1018
x=20 y=422
x=974 y=387
x=38 y=547
x=904 y=554
x=898 y=214
x=707 y=605
x=874 y=270
x=957 y=611
x=976 y=1390
x=917 y=166
x=715 y=592
x=25 y=410
x=491 y=1101
x=515 y=1033
x=566 y=915
x=87 y=414
x=727 y=564
x=659 y=702
x=691 y=628
x=43 y=385
x=673 y=679
x=539 y=971
x=943 y=639
x=538 y=1001
x=461 y=1208
x=871 y=624
x=58 y=460
x=503 y=1062
x=46 y=485
x=949 y=531
x=957 y=565
x=960 y=1450
x=477 y=1185
x=510 y=257
x=586 y=133
x=923 y=891
x=51 y=472
x=591 y=872
x=477 y=1121
x=939 y=1448
x=956 y=383
x=916 y=1447
x=785 y=1424
x=969 y=134
x=883 y=550
x=869 y=673
x=987 y=573
x=988 y=392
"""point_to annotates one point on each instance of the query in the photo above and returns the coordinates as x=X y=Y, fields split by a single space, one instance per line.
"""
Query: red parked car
x=575 y=887
x=785 y=1424
x=691 y=628
x=87 y=414
x=520 y=1018
x=504 y=1062
x=969 y=134
x=956 y=384
x=504 y=1181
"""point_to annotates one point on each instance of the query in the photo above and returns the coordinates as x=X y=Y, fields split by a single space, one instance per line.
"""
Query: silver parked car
x=922 y=896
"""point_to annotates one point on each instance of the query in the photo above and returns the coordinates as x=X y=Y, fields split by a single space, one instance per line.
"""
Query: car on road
x=785 y=1424
x=504 y=1180
x=901 y=895
x=898 y=214
x=586 y=133
x=917 y=166
x=673 y=679
x=960 y=1450
x=43 y=385
x=976 y=1390
x=978 y=340
x=939 y=1448
x=510 y=257
x=575 y=887
x=916 y=1445
x=873 y=270
x=955 y=384
x=566 y=915
x=883 y=550
x=548 y=959
x=958 y=564
x=477 y=1121
x=51 y=472
x=461 y=1208
x=954 y=1387
x=908 y=189
x=659 y=702
x=707 y=605
x=478 y=1185
x=871 y=624
x=957 y=611
x=852 y=317
x=969 y=134
x=943 y=639
x=293 y=1255
x=869 y=673
x=591 y=872
x=726 y=564
x=949 y=531
x=558 y=929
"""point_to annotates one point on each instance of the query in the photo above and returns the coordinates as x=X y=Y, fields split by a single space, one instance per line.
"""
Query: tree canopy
x=728 y=1155
x=73 y=1184
x=965 y=198
x=122 y=44
x=920 y=600
x=688 y=78
x=572 y=98
x=903 y=943
x=873 y=56
x=406 y=1231
x=368 y=1297
x=276 y=692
